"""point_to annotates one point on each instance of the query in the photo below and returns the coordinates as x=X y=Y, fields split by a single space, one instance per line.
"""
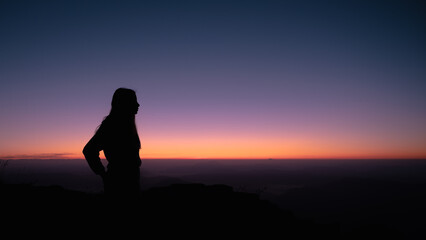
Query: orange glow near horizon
x=239 y=148
x=247 y=141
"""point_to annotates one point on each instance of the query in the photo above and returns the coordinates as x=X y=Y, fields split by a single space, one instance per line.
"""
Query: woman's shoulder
x=105 y=125
x=111 y=126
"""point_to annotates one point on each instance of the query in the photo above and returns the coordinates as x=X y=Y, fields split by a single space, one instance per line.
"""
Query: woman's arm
x=91 y=153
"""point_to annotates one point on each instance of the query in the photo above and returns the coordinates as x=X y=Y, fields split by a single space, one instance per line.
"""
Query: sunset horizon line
x=366 y=158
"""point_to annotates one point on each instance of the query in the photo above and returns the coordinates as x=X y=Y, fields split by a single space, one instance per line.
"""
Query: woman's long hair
x=122 y=115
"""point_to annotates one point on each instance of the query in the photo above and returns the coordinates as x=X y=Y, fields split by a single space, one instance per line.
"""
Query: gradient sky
x=217 y=79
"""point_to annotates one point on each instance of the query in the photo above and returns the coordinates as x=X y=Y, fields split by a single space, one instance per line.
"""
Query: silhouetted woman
x=118 y=137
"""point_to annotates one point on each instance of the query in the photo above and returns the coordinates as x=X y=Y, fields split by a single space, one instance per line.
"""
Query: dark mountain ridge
x=184 y=210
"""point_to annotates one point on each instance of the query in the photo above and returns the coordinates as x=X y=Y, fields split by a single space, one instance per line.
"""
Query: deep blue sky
x=274 y=78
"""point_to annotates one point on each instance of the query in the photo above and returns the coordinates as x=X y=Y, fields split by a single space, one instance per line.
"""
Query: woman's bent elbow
x=86 y=151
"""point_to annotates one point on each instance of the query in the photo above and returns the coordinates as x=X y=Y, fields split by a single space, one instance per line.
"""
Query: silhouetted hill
x=358 y=199
x=181 y=210
x=389 y=209
x=194 y=211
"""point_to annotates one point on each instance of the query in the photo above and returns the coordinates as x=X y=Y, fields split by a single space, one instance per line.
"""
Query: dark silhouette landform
x=194 y=211
x=274 y=199
x=182 y=210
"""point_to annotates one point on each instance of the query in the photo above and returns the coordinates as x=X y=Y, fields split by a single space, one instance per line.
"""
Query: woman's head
x=124 y=102
x=124 y=106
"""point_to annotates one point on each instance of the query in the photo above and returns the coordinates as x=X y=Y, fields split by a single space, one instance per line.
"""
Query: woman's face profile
x=135 y=106
x=132 y=104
